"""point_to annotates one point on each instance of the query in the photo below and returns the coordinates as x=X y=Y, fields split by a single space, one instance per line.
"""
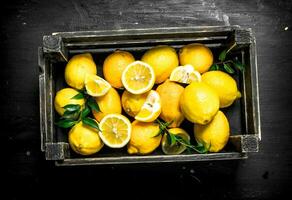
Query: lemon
x=138 y=77
x=224 y=85
x=176 y=148
x=114 y=65
x=197 y=55
x=151 y=108
x=132 y=103
x=64 y=97
x=145 y=138
x=163 y=59
x=215 y=134
x=77 y=68
x=170 y=93
x=199 y=103
x=96 y=86
x=84 y=140
x=185 y=74
x=108 y=104
x=115 y=130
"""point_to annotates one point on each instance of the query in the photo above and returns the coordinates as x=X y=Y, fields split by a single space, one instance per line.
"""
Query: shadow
x=205 y=180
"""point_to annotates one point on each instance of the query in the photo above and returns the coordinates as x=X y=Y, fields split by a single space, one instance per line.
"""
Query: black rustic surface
x=264 y=175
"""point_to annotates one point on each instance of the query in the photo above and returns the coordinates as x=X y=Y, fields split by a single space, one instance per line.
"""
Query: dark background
x=264 y=175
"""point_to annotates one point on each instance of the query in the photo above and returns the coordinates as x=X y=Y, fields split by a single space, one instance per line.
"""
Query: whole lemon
x=215 y=134
x=199 y=103
x=144 y=137
x=84 y=140
x=132 y=103
x=77 y=68
x=176 y=148
x=224 y=85
x=64 y=97
x=110 y=103
x=197 y=55
x=170 y=93
x=163 y=59
x=114 y=65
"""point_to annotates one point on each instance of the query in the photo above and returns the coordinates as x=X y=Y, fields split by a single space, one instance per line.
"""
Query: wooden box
x=58 y=48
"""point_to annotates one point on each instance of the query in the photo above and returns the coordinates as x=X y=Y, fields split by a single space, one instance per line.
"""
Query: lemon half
x=115 y=130
x=138 y=77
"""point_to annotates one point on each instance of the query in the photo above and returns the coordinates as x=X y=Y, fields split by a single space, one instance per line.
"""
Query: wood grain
x=264 y=175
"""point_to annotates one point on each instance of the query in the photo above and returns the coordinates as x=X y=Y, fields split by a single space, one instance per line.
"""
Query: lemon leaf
x=239 y=65
x=201 y=148
x=90 y=122
x=70 y=115
x=92 y=104
x=214 y=67
x=222 y=55
x=171 y=139
x=228 y=68
x=72 y=107
x=85 y=112
x=167 y=124
x=162 y=126
x=78 y=96
x=66 y=123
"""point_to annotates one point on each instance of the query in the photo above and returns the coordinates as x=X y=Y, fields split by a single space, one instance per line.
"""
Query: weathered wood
x=57 y=151
x=150 y=159
x=54 y=47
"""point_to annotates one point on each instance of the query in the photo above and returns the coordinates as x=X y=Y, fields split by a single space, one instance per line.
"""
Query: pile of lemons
x=132 y=94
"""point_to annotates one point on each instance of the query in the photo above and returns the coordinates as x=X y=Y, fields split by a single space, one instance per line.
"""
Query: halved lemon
x=185 y=74
x=138 y=77
x=151 y=108
x=177 y=147
x=96 y=86
x=115 y=130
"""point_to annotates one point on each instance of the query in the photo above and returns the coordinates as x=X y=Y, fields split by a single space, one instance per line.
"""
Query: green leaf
x=182 y=140
x=214 y=67
x=201 y=148
x=167 y=124
x=72 y=107
x=93 y=105
x=227 y=68
x=239 y=65
x=66 y=123
x=172 y=139
x=85 y=112
x=78 y=96
x=70 y=115
x=163 y=125
x=90 y=122
x=222 y=55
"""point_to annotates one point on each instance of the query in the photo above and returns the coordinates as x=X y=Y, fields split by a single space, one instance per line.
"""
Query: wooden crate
x=58 y=48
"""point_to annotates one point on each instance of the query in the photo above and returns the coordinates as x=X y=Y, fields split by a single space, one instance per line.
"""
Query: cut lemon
x=115 y=130
x=96 y=86
x=151 y=108
x=177 y=146
x=185 y=74
x=138 y=77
